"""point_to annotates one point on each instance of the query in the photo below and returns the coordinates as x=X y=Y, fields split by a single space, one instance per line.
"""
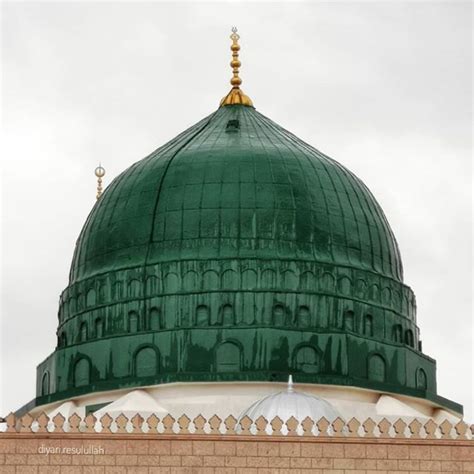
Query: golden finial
x=100 y=173
x=235 y=96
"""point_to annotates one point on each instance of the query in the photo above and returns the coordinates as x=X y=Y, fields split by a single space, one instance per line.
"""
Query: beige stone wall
x=23 y=453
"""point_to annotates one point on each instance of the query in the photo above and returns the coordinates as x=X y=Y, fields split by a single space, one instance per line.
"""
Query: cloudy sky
x=385 y=88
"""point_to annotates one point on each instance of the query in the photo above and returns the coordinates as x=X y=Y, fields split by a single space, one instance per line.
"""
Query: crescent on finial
x=234 y=36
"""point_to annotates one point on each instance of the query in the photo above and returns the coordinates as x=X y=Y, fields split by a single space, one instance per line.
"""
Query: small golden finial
x=100 y=173
x=235 y=96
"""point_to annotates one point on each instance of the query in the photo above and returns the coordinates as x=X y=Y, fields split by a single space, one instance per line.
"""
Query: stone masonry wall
x=96 y=453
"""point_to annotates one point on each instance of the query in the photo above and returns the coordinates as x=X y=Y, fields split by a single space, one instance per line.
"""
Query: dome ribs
x=270 y=126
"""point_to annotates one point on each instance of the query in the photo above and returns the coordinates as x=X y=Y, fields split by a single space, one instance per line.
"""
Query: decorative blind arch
x=81 y=372
x=45 y=383
x=146 y=362
x=83 y=333
x=376 y=368
x=228 y=357
x=307 y=359
x=99 y=327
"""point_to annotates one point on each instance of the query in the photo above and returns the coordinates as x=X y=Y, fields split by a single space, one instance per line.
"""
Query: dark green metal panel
x=237 y=252
x=258 y=192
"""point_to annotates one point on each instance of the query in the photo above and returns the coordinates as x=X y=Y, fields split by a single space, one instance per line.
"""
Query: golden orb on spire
x=100 y=173
x=235 y=96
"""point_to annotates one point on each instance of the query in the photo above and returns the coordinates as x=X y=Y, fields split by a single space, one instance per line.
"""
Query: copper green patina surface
x=237 y=252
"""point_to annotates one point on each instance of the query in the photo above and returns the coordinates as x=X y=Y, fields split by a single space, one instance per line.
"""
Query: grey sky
x=384 y=88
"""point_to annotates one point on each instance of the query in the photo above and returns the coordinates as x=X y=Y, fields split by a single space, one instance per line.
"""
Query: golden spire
x=235 y=96
x=100 y=173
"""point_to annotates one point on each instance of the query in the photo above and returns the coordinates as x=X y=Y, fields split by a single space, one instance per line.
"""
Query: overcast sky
x=384 y=88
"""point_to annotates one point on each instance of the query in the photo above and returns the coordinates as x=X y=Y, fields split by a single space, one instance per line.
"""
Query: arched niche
x=146 y=362
x=303 y=317
x=71 y=306
x=397 y=333
x=279 y=315
x=133 y=322
x=80 y=302
x=421 y=379
x=307 y=359
x=397 y=299
x=45 y=389
x=308 y=281
x=202 y=315
x=155 y=319
x=83 y=332
x=152 y=285
x=409 y=338
x=230 y=280
x=376 y=368
x=349 y=320
x=210 y=280
x=190 y=281
x=387 y=296
x=228 y=357
x=82 y=372
x=171 y=283
x=102 y=293
x=118 y=290
x=324 y=311
x=406 y=305
x=268 y=278
x=368 y=325
x=374 y=293
x=91 y=298
x=134 y=287
x=227 y=317
x=360 y=288
x=327 y=282
x=290 y=280
x=345 y=285
x=249 y=279
x=99 y=327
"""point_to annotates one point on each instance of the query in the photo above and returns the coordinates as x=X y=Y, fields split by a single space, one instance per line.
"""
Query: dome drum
x=235 y=353
x=250 y=293
x=199 y=276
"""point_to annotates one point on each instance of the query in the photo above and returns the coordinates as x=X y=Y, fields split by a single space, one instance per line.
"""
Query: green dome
x=236 y=252
x=236 y=185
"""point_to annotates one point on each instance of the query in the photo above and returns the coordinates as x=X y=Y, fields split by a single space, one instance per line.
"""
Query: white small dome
x=290 y=403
